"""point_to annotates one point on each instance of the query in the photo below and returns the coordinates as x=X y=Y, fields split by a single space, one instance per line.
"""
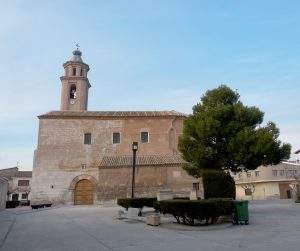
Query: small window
x=74 y=71
x=274 y=172
x=23 y=183
x=24 y=196
x=81 y=72
x=196 y=186
x=144 y=137
x=257 y=173
x=248 y=174
x=281 y=172
x=83 y=166
x=295 y=171
x=116 y=138
x=73 y=91
x=87 y=138
x=248 y=191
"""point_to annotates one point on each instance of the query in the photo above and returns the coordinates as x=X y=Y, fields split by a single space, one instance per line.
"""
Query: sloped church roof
x=107 y=114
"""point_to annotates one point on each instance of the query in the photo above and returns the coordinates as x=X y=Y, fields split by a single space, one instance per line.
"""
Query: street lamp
x=135 y=146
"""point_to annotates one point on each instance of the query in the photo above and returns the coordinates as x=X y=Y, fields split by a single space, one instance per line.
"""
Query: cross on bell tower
x=75 y=84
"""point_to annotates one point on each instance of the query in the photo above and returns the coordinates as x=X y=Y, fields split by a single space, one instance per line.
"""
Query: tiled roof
x=112 y=114
x=153 y=160
x=8 y=172
x=25 y=174
x=287 y=165
x=14 y=172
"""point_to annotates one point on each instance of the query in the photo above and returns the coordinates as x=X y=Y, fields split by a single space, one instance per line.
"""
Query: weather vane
x=77 y=46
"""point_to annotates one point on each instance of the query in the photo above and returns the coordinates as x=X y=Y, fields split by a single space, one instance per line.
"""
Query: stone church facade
x=85 y=157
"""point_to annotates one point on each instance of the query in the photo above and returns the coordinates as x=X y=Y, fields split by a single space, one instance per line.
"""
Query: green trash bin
x=241 y=212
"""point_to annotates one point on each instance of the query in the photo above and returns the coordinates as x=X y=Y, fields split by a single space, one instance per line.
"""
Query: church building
x=85 y=157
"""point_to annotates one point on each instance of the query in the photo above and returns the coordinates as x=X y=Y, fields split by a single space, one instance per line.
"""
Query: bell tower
x=75 y=84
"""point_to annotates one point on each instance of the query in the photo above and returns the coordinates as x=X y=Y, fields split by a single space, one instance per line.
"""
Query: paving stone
x=274 y=225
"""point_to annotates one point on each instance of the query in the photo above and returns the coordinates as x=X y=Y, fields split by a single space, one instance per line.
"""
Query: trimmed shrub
x=181 y=198
x=218 y=184
x=136 y=202
x=189 y=211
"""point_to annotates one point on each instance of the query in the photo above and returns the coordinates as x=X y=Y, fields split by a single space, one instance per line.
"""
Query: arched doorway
x=84 y=192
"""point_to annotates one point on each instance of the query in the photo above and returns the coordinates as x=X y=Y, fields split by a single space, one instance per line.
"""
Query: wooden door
x=84 y=193
x=283 y=189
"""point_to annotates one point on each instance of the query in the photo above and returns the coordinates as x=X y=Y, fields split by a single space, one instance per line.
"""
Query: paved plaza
x=274 y=225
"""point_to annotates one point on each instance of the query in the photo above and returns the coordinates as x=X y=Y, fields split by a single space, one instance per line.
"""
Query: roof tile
x=150 y=160
x=53 y=114
x=14 y=172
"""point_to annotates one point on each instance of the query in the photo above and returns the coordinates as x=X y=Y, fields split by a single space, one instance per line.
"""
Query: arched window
x=80 y=71
x=73 y=91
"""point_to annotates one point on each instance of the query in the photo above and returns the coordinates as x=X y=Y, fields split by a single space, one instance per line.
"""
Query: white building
x=18 y=183
x=278 y=181
x=3 y=192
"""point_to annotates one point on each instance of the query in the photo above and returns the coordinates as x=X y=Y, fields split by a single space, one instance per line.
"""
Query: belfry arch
x=73 y=93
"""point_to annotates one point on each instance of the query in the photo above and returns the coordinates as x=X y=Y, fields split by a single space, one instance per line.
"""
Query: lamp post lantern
x=135 y=146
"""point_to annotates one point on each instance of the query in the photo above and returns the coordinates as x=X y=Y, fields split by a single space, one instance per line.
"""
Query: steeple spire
x=77 y=55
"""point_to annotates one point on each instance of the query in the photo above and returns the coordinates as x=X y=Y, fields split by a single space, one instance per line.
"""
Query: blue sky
x=146 y=55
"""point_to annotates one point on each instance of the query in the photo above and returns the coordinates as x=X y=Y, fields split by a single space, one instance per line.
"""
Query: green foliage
x=190 y=212
x=136 y=202
x=224 y=134
x=218 y=184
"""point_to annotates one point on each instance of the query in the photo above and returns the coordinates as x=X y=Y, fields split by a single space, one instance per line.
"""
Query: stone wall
x=116 y=182
x=67 y=135
x=55 y=184
x=61 y=154
x=111 y=183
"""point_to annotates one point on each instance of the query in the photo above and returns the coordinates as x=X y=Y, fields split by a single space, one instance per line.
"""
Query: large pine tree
x=224 y=134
